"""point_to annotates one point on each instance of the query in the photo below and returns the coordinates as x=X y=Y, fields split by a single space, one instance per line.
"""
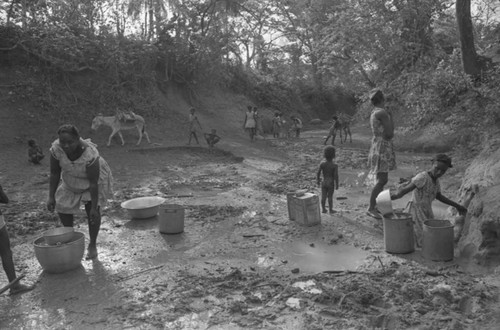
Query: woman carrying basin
x=78 y=175
x=426 y=188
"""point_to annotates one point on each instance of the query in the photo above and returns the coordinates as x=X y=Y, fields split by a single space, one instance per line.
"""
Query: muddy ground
x=240 y=263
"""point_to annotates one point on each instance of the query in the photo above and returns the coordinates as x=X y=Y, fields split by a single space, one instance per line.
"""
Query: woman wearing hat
x=426 y=188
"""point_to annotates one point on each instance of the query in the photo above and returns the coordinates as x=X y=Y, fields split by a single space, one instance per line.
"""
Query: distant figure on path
x=78 y=175
x=258 y=122
x=277 y=123
x=6 y=252
x=381 y=158
x=336 y=127
x=345 y=123
x=296 y=126
x=35 y=153
x=250 y=124
x=194 y=124
x=212 y=138
x=426 y=187
x=330 y=172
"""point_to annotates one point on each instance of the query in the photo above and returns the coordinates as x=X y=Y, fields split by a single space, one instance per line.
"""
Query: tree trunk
x=23 y=14
x=470 y=61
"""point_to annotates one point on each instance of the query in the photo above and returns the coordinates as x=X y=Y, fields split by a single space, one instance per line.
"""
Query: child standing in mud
x=330 y=172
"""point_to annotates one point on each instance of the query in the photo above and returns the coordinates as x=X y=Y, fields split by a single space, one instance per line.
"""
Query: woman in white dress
x=78 y=175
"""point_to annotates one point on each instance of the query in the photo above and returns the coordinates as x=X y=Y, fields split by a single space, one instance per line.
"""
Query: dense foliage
x=282 y=54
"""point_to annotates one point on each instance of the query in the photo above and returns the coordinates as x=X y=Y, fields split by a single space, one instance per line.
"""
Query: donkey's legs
x=111 y=136
x=139 y=130
x=121 y=137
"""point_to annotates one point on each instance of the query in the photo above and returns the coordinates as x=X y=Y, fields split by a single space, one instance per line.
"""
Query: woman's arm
x=55 y=177
x=461 y=210
x=403 y=191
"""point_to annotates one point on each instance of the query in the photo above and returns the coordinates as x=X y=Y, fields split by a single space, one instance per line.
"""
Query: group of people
x=79 y=175
x=194 y=127
x=381 y=160
x=278 y=126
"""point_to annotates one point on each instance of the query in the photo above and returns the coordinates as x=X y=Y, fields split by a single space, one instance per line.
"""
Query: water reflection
x=319 y=257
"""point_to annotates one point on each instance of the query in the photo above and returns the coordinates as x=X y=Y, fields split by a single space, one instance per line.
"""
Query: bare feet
x=20 y=288
x=91 y=252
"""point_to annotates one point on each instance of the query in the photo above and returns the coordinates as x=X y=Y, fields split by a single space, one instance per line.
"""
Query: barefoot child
x=35 y=153
x=426 y=188
x=6 y=252
x=194 y=124
x=330 y=172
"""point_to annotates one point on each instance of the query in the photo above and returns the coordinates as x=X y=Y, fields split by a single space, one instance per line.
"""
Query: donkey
x=117 y=126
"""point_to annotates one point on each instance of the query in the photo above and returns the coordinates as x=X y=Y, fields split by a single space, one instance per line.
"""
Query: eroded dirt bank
x=240 y=264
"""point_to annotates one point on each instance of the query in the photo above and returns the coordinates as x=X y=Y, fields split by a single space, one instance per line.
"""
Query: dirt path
x=240 y=264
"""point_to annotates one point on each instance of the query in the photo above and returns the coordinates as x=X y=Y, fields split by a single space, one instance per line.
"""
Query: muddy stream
x=240 y=262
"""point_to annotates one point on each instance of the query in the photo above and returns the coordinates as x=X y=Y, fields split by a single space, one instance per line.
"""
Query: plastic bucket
x=171 y=219
x=437 y=240
x=398 y=233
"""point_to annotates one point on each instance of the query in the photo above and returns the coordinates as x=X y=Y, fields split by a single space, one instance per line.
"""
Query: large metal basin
x=60 y=258
x=143 y=207
x=58 y=235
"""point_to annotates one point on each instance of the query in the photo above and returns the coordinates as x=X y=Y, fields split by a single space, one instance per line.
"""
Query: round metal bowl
x=60 y=258
x=143 y=207
x=58 y=235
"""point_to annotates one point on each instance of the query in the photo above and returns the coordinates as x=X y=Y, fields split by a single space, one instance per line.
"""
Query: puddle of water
x=323 y=257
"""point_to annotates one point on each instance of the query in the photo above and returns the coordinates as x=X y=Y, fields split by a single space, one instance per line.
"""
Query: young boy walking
x=330 y=172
